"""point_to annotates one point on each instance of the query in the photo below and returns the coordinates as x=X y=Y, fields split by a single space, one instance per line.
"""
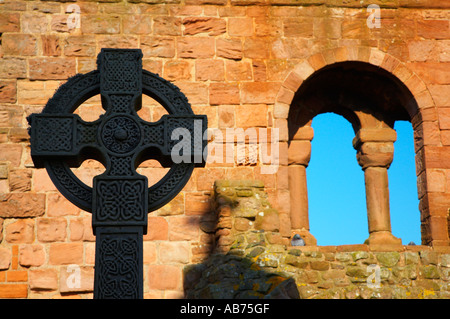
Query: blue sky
x=337 y=203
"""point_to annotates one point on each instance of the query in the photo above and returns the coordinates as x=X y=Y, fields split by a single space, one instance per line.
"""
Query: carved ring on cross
x=119 y=135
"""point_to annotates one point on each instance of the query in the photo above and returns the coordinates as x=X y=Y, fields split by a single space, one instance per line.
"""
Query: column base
x=309 y=239
x=383 y=238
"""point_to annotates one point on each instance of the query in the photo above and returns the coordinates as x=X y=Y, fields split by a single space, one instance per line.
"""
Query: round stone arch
x=420 y=109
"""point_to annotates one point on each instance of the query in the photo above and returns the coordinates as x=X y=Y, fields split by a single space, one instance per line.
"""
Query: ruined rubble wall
x=255 y=261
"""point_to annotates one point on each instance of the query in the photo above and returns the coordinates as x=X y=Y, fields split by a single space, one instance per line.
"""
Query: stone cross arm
x=121 y=143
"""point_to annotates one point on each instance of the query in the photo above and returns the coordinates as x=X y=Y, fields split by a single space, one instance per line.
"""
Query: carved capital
x=373 y=154
x=374 y=135
x=375 y=147
x=299 y=152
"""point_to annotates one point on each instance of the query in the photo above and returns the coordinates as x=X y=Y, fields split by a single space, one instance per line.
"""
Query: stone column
x=375 y=154
x=299 y=154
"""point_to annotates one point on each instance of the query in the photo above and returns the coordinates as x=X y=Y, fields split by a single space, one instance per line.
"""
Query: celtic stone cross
x=120 y=197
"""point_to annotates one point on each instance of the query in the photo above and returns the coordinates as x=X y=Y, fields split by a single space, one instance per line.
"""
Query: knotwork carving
x=120 y=198
x=82 y=87
x=121 y=134
x=56 y=134
x=120 y=261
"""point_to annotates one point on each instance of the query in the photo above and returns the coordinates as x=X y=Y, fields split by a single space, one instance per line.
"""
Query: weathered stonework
x=253 y=262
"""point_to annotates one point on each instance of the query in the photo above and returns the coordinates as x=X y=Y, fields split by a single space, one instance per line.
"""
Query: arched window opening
x=372 y=100
x=337 y=206
x=404 y=202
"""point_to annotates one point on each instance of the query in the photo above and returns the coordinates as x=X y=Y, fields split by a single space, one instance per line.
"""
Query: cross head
x=120 y=197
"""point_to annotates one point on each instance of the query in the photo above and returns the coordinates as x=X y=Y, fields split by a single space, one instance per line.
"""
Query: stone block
x=281 y=110
x=13 y=290
x=210 y=69
x=35 y=92
x=13 y=68
x=85 y=284
x=431 y=72
x=17 y=276
x=440 y=94
x=259 y=92
x=298 y=27
x=377 y=147
x=9 y=22
x=8 y=91
x=240 y=27
x=178 y=70
x=157 y=229
x=4 y=171
x=31 y=255
x=293 y=81
x=238 y=71
x=229 y=48
x=224 y=93
x=433 y=29
x=137 y=24
x=164 y=277
x=256 y=48
x=174 y=207
x=321 y=265
x=299 y=152
x=150 y=253
x=164 y=25
x=43 y=279
x=20 y=231
x=65 y=253
x=163 y=47
x=196 y=48
x=251 y=116
x=388 y=259
x=430 y=272
x=81 y=46
x=5 y=258
x=50 y=68
x=226 y=115
x=198 y=204
x=428 y=257
x=16 y=205
x=304 y=70
x=20 y=180
x=19 y=44
x=174 y=252
x=80 y=229
x=59 y=23
x=268 y=220
x=208 y=25
x=58 y=205
x=51 y=229
x=304 y=133
x=100 y=24
x=196 y=92
x=34 y=23
x=444 y=118
x=437 y=157
x=183 y=228
x=285 y=96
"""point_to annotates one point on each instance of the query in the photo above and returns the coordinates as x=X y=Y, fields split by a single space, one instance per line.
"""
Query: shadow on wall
x=245 y=259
